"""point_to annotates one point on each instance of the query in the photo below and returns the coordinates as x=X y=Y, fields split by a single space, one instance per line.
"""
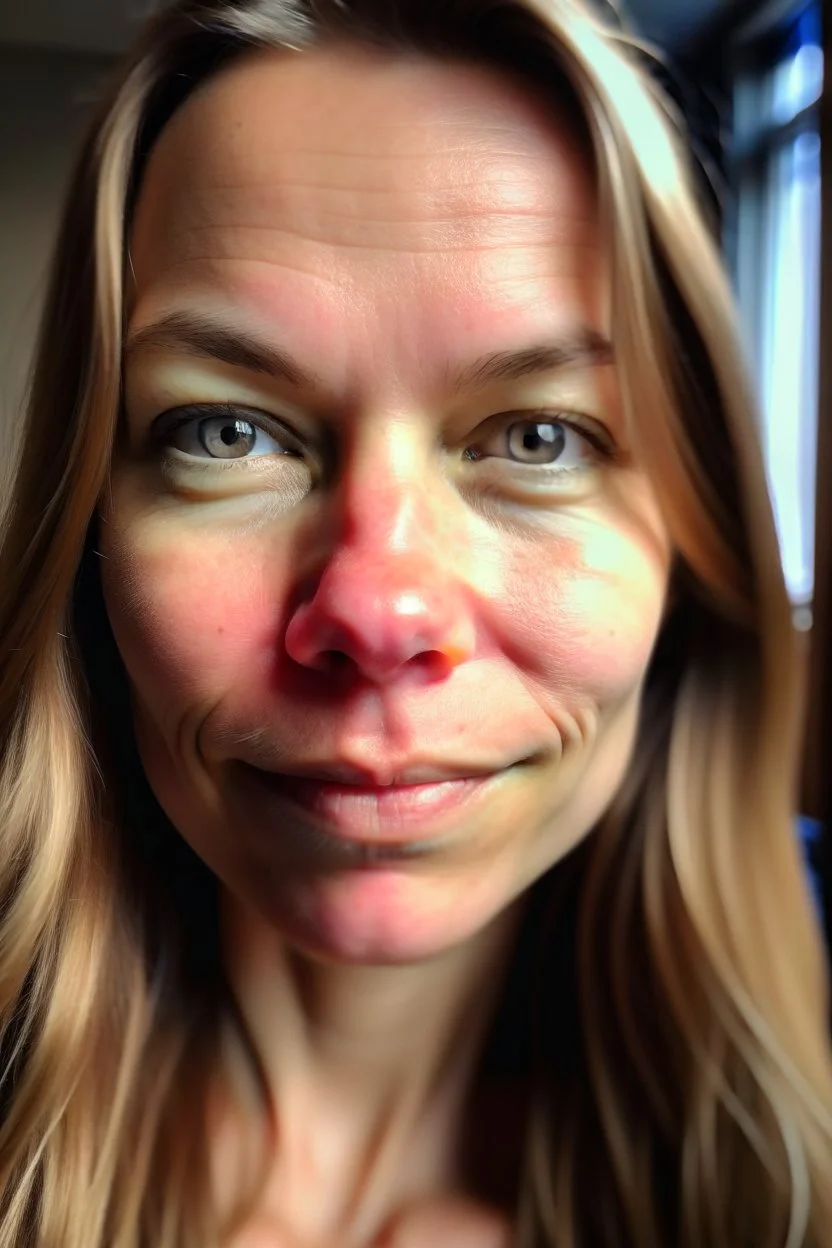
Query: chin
x=384 y=916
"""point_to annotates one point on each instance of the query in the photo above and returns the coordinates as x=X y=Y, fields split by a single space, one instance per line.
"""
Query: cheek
x=584 y=613
x=188 y=612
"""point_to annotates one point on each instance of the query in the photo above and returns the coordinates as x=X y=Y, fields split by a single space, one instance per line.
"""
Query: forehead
x=369 y=179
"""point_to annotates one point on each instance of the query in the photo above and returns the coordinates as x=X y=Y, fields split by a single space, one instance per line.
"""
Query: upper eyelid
x=183 y=413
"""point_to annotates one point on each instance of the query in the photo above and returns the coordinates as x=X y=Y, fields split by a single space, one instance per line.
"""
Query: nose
x=388 y=600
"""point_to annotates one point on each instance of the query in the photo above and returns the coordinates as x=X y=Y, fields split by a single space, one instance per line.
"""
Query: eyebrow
x=585 y=349
x=194 y=333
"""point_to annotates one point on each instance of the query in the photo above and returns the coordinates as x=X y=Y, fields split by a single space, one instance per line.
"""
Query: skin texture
x=406 y=593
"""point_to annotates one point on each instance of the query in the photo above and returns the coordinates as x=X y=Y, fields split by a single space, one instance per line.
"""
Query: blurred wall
x=44 y=97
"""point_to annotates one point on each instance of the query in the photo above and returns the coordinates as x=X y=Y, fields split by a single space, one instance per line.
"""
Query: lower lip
x=380 y=815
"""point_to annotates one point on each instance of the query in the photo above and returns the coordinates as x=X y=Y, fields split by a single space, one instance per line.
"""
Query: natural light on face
x=381 y=569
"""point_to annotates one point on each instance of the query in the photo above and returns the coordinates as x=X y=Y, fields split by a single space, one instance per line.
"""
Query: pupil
x=538 y=442
x=230 y=434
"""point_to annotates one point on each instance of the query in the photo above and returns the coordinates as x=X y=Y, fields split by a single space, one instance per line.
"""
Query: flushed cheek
x=188 y=613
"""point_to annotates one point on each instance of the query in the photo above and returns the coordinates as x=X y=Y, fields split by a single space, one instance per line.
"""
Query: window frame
x=756 y=141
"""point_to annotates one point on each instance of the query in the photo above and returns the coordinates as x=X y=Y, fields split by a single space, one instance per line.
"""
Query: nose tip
x=375 y=628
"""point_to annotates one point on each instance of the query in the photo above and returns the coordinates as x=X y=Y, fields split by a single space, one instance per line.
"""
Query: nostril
x=439 y=664
x=334 y=662
x=430 y=662
x=338 y=664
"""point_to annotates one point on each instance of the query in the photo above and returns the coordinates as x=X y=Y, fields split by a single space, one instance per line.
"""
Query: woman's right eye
x=214 y=431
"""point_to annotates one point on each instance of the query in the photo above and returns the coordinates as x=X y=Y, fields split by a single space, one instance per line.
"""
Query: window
x=776 y=250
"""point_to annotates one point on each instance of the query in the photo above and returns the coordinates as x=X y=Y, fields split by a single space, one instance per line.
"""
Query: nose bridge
x=388 y=591
x=390 y=563
x=389 y=504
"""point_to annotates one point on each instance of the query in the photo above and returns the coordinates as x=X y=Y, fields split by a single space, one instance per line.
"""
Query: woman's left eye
x=213 y=432
x=549 y=442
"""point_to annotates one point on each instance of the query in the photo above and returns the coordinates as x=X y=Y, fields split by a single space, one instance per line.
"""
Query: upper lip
x=378 y=777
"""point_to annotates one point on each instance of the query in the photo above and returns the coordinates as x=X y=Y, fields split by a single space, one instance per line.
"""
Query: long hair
x=680 y=1074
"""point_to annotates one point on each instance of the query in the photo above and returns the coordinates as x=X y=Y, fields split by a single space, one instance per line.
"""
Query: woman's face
x=383 y=574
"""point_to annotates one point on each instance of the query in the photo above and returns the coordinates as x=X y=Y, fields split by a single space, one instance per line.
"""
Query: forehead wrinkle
x=525 y=238
x=242 y=225
x=326 y=248
x=476 y=167
x=495 y=192
x=532 y=169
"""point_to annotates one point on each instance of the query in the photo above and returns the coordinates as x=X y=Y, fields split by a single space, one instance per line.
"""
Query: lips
x=381 y=776
x=414 y=803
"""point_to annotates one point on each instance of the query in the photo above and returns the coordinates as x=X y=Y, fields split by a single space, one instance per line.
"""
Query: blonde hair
x=681 y=1076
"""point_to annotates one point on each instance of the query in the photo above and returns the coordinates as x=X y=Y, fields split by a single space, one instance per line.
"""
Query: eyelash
x=166 y=424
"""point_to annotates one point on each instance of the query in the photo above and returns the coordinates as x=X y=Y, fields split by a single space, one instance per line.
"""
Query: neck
x=361 y=1061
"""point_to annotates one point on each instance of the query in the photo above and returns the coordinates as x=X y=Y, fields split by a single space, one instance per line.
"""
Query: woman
x=398 y=683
